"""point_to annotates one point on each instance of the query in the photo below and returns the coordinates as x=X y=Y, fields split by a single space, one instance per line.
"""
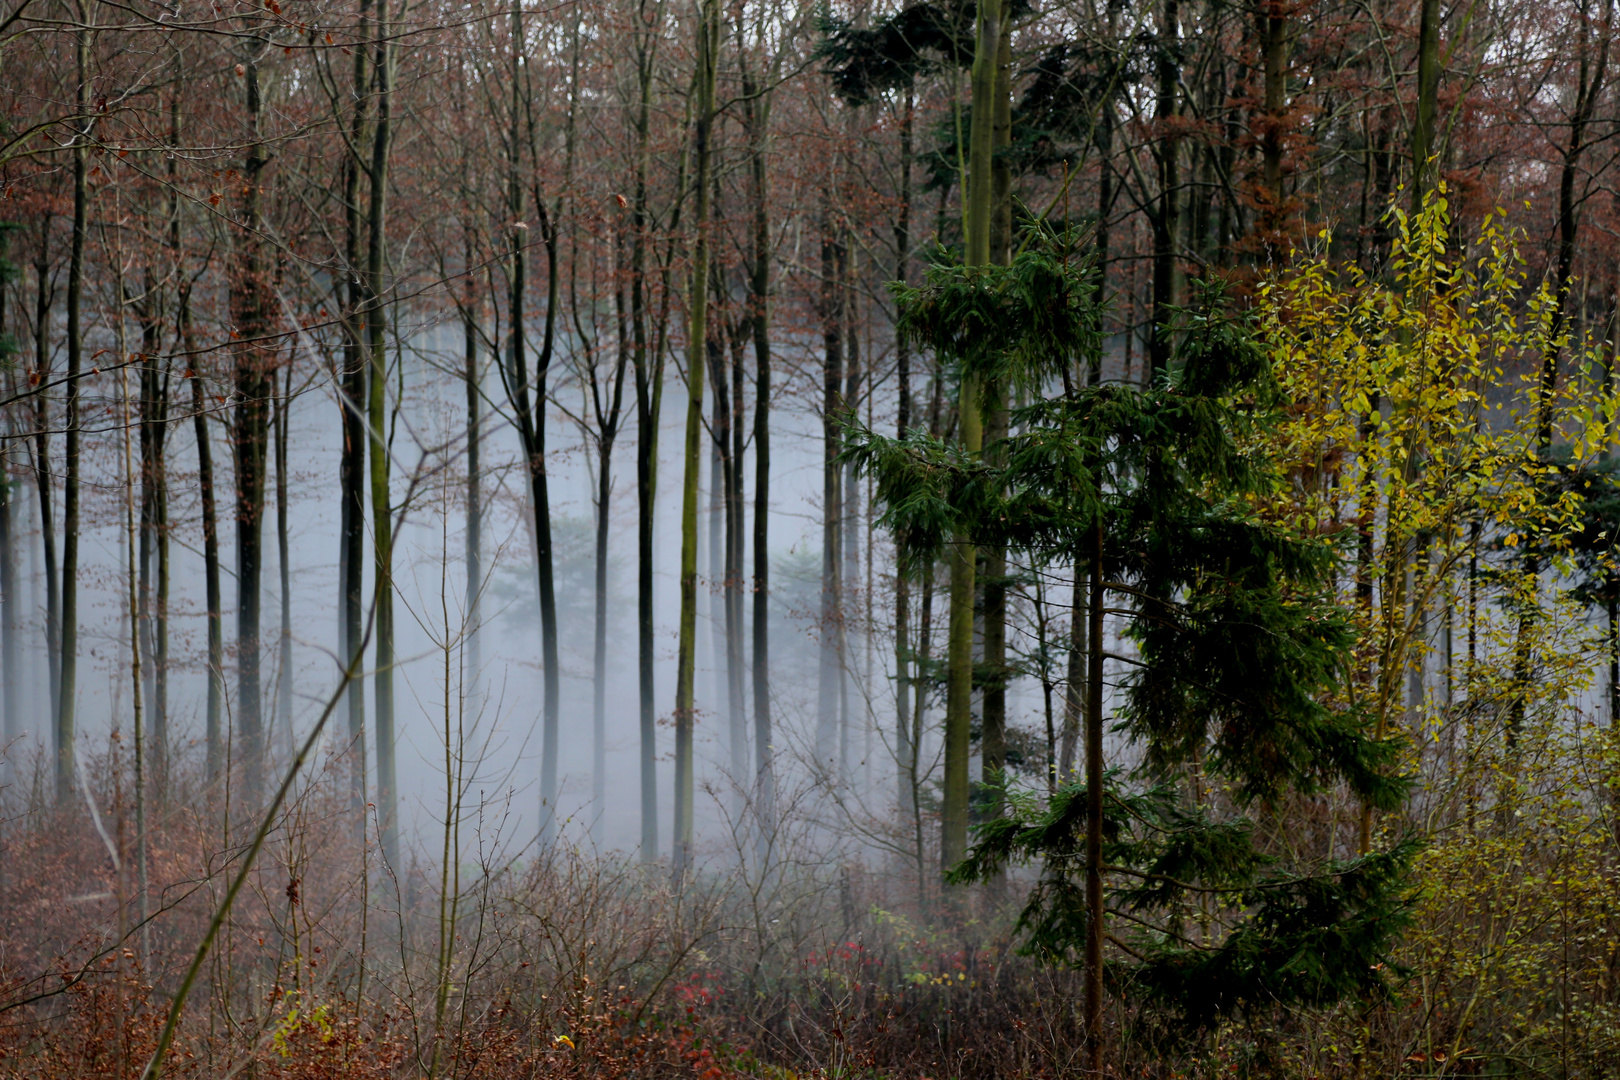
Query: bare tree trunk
x=1074 y=695
x=382 y=530
x=41 y=451
x=254 y=361
x=214 y=739
x=473 y=659
x=830 y=674
x=152 y=547
x=849 y=524
x=352 y=463
x=758 y=117
x=649 y=372
x=10 y=631
x=65 y=715
x=905 y=747
x=708 y=34
x=607 y=427
x=963 y=558
x=1096 y=927
x=284 y=659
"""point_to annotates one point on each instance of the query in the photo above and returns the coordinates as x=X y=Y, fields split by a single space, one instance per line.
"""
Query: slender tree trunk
x=213 y=733
x=65 y=713
x=473 y=659
x=607 y=437
x=725 y=427
x=830 y=675
x=963 y=557
x=759 y=302
x=1274 y=54
x=254 y=361
x=649 y=380
x=993 y=744
x=1166 y=218
x=10 y=631
x=352 y=464
x=1105 y=199
x=382 y=532
x=1074 y=695
x=719 y=485
x=152 y=545
x=1428 y=93
x=42 y=478
x=708 y=32
x=284 y=659
x=905 y=747
x=849 y=523
x=1095 y=912
x=540 y=497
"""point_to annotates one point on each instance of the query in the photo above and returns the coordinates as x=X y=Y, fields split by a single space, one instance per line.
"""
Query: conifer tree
x=1239 y=645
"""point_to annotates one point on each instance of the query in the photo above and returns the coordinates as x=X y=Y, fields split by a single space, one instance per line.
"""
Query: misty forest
x=790 y=539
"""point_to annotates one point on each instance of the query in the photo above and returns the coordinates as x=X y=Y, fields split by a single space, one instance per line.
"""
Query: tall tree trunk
x=736 y=677
x=254 y=361
x=213 y=734
x=1166 y=218
x=540 y=498
x=352 y=464
x=474 y=540
x=65 y=713
x=849 y=520
x=830 y=669
x=1096 y=927
x=382 y=530
x=649 y=376
x=1428 y=94
x=1274 y=53
x=607 y=425
x=10 y=631
x=724 y=428
x=993 y=745
x=759 y=282
x=963 y=557
x=152 y=546
x=41 y=451
x=905 y=747
x=708 y=34
x=284 y=659
x=715 y=532
x=1074 y=695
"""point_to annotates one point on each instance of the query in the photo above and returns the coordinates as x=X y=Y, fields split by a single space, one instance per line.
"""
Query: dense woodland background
x=443 y=631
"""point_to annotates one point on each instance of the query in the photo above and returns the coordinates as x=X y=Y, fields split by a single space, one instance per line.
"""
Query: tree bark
x=759 y=282
x=352 y=464
x=649 y=395
x=65 y=713
x=214 y=738
x=829 y=666
x=284 y=658
x=905 y=747
x=963 y=557
x=1166 y=219
x=250 y=418
x=382 y=530
x=708 y=33
x=1096 y=926
x=41 y=452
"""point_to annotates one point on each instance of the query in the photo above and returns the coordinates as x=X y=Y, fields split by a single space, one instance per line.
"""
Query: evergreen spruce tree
x=1238 y=646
